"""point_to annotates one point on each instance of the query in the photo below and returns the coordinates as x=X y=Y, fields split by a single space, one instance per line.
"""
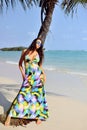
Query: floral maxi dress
x=30 y=102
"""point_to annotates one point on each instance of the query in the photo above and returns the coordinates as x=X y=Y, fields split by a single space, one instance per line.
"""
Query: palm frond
x=70 y=5
x=24 y=3
x=1 y=5
x=13 y=3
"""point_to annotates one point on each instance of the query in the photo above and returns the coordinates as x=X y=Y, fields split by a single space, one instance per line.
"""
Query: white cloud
x=84 y=38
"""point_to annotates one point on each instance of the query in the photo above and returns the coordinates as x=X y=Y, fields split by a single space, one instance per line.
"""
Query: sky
x=19 y=28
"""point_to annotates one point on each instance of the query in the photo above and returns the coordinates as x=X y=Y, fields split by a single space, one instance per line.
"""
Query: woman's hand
x=43 y=75
x=44 y=78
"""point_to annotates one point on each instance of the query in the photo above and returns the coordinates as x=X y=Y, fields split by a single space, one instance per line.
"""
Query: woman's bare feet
x=38 y=121
x=7 y=122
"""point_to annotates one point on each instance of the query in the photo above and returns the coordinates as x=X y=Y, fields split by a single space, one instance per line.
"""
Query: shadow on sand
x=5 y=104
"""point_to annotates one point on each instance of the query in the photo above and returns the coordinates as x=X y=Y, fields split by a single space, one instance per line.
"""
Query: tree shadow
x=5 y=105
x=4 y=102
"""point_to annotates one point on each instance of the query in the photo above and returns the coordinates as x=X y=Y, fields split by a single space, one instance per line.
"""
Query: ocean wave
x=12 y=62
x=77 y=73
x=67 y=71
x=49 y=68
x=53 y=68
x=72 y=72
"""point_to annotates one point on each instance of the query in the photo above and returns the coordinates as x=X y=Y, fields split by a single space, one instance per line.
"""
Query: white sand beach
x=67 y=103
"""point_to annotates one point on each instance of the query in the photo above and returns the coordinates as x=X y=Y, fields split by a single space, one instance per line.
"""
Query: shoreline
x=57 y=83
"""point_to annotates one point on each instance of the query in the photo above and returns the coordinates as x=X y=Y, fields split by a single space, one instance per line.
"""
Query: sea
x=70 y=61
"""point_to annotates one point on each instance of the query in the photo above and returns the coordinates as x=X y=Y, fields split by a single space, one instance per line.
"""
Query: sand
x=65 y=112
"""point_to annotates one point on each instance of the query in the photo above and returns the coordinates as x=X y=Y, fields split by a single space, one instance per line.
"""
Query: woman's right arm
x=20 y=64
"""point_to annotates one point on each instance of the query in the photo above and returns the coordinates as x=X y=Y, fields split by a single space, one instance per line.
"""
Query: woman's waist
x=33 y=72
x=32 y=66
x=30 y=63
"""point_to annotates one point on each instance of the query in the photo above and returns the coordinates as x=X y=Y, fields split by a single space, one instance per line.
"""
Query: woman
x=30 y=103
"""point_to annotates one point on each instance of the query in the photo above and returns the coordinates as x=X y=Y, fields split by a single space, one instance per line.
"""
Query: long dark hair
x=32 y=48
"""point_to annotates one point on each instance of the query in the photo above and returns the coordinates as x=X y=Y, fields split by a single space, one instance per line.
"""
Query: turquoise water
x=75 y=61
x=67 y=61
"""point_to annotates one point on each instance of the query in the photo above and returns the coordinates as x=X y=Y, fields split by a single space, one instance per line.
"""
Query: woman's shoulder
x=24 y=50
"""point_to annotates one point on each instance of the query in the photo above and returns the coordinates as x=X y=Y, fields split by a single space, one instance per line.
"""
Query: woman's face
x=38 y=44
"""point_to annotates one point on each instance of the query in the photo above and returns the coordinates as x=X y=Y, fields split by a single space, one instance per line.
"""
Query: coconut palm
x=47 y=8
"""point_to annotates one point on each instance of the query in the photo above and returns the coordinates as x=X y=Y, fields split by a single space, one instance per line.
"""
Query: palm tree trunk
x=46 y=23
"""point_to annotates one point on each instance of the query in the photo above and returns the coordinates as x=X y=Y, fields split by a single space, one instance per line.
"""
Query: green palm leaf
x=70 y=5
x=67 y=5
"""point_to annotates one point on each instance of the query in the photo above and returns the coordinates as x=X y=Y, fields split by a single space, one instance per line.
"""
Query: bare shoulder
x=24 y=50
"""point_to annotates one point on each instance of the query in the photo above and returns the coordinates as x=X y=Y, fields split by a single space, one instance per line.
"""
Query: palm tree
x=47 y=8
